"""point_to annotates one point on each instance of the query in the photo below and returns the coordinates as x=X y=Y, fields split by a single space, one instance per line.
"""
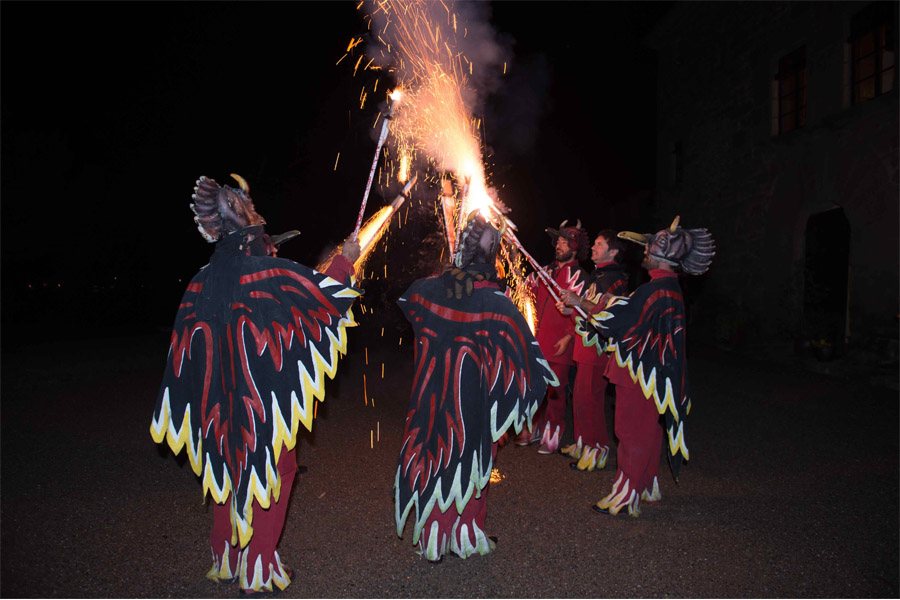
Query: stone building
x=778 y=130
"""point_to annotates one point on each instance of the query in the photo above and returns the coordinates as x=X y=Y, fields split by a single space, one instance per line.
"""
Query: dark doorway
x=826 y=278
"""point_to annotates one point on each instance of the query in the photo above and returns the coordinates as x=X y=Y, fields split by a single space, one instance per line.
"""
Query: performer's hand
x=562 y=344
x=350 y=249
x=569 y=298
x=563 y=308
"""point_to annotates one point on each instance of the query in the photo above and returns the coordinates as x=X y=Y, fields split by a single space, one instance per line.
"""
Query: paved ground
x=792 y=491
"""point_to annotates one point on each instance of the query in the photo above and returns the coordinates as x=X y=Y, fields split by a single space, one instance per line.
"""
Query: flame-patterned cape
x=253 y=340
x=478 y=372
x=645 y=334
x=611 y=279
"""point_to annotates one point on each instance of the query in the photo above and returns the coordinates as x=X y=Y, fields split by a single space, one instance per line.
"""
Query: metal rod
x=381 y=139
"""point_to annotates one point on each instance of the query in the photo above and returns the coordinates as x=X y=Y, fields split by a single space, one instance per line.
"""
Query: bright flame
x=497 y=476
x=529 y=315
x=405 y=160
x=369 y=235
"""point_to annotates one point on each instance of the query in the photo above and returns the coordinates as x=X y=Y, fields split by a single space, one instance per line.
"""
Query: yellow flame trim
x=312 y=388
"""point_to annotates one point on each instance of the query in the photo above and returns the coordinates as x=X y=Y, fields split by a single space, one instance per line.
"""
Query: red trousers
x=553 y=411
x=640 y=436
x=589 y=404
x=258 y=565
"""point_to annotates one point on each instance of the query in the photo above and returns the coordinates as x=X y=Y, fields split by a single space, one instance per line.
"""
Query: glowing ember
x=405 y=160
x=497 y=476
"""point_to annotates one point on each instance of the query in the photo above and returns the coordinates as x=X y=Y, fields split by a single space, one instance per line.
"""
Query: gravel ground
x=792 y=491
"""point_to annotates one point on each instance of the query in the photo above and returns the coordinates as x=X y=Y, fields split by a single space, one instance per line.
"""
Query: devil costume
x=646 y=335
x=478 y=372
x=591 y=445
x=552 y=326
x=254 y=338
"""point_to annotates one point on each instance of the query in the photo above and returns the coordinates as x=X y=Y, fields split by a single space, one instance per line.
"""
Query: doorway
x=826 y=280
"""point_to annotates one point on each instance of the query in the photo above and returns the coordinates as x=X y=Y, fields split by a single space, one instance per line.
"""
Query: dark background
x=111 y=111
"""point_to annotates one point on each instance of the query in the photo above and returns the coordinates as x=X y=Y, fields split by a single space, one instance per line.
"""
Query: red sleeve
x=598 y=308
x=340 y=269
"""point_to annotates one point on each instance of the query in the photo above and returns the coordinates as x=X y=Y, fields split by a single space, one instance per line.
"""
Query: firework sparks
x=519 y=292
x=427 y=44
x=405 y=152
x=425 y=41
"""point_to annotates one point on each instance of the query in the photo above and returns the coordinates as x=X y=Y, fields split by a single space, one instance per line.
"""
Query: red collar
x=605 y=264
x=661 y=273
x=486 y=284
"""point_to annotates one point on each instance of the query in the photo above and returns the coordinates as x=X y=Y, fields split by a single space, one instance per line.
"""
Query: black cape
x=253 y=341
x=478 y=372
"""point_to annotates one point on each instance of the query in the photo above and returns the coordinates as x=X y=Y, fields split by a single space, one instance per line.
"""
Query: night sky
x=111 y=111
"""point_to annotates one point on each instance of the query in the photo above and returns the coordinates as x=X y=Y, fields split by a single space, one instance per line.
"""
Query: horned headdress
x=691 y=250
x=577 y=237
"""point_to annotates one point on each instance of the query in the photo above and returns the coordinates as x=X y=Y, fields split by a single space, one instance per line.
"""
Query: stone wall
x=755 y=191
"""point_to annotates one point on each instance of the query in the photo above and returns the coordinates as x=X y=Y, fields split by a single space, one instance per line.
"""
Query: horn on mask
x=241 y=182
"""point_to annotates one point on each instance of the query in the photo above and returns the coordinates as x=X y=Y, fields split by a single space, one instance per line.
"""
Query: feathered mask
x=692 y=250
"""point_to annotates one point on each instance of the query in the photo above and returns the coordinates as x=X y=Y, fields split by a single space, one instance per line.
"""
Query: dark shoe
x=602 y=511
